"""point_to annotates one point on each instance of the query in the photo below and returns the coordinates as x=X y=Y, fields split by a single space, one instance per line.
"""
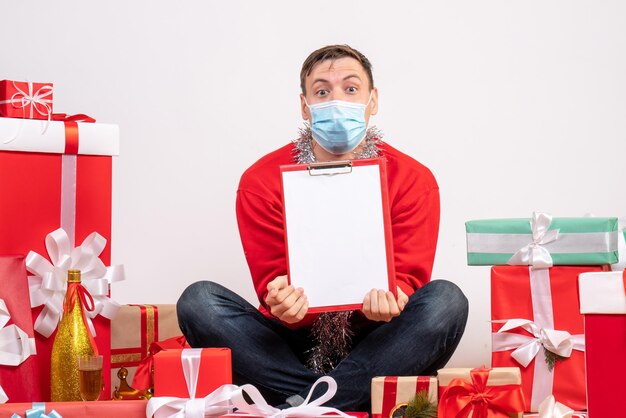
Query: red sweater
x=414 y=203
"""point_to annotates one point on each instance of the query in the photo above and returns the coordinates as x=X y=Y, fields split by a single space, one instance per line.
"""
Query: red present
x=391 y=394
x=603 y=303
x=99 y=409
x=22 y=99
x=212 y=366
x=539 y=309
x=480 y=393
x=43 y=189
x=20 y=381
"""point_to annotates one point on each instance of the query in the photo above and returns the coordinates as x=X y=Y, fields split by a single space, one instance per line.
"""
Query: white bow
x=260 y=407
x=534 y=254
x=49 y=283
x=226 y=397
x=549 y=408
x=30 y=99
x=15 y=345
x=526 y=348
x=3 y=396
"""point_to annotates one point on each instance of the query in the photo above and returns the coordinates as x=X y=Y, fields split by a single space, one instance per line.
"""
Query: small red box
x=22 y=99
x=169 y=379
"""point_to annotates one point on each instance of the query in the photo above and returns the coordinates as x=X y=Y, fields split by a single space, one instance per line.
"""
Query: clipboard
x=338 y=231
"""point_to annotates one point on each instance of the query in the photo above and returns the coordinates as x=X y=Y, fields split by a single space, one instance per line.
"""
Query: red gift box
x=546 y=303
x=213 y=369
x=99 y=409
x=603 y=303
x=20 y=382
x=42 y=191
x=22 y=99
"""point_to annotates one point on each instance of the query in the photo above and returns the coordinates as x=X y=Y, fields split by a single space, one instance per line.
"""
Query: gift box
x=479 y=393
x=603 y=303
x=47 y=182
x=134 y=330
x=558 y=241
x=99 y=409
x=22 y=99
x=391 y=394
x=211 y=365
x=19 y=372
x=537 y=326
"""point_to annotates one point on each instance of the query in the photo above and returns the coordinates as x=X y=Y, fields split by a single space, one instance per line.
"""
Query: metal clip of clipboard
x=330 y=168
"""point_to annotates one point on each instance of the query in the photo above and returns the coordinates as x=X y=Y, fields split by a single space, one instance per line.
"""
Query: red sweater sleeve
x=262 y=236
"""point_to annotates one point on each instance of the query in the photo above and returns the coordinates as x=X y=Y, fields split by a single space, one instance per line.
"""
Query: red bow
x=76 y=291
x=460 y=398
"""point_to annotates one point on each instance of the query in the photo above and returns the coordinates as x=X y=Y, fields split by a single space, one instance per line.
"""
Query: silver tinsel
x=331 y=330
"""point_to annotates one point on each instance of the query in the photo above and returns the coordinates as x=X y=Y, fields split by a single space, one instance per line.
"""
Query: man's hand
x=379 y=305
x=286 y=303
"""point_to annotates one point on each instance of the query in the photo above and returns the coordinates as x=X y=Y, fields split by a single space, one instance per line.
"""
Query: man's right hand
x=286 y=303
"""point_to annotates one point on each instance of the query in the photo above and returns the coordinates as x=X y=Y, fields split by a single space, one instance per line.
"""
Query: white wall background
x=515 y=106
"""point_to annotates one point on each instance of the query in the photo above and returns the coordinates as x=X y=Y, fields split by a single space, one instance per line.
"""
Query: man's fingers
x=374 y=312
x=286 y=301
x=297 y=311
x=277 y=284
x=403 y=299
x=394 y=309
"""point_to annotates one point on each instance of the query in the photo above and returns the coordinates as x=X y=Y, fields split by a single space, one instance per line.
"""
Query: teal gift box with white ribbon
x=542 y=241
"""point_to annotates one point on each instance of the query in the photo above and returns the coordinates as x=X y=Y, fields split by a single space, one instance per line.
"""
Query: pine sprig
x=552 y=358
x=421 y=407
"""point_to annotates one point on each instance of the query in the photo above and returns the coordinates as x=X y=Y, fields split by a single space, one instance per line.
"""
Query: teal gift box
x=542 y=241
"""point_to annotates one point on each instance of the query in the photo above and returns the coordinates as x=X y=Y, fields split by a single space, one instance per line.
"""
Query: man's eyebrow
x=323 y=80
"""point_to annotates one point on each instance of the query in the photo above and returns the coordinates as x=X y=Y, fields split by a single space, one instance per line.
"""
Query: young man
x=280 y=348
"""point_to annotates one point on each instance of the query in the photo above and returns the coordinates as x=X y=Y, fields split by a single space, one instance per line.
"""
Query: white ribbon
x=49 y=281
x=23 y=100
x=226 y=397
x=3 y=396
x=15 y=345
x=526 y=347
x=549 y=408
x=534 y=254
x=621 y=245
x=30 y=99
x=308 y=408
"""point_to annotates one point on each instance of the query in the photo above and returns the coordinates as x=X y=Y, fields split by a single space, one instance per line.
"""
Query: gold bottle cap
x=73 y=276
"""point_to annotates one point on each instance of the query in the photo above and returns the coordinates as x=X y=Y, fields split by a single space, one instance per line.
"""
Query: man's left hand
x=379 y=305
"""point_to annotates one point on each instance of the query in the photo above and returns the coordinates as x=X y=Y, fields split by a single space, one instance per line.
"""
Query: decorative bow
x=49 y=283
x=460 y=398
x=15 y=345
x=534 y=254
x=308 y=408
x=226 y=397
x=39 y=411
x=35 y=101
x=549 y=408
x=526 y=348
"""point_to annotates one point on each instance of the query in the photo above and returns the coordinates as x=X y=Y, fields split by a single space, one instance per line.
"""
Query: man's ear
x=304 y=108
x=374 y=102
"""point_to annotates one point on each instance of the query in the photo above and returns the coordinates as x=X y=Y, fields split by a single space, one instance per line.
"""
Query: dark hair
x=333 y=52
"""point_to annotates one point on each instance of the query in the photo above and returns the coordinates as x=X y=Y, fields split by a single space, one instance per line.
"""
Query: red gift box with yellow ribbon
x=537 y=327
x=56 y=174
x=23 y=99
x=480 y=393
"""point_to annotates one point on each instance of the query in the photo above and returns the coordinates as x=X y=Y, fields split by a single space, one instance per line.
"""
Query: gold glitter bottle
x=72 y=340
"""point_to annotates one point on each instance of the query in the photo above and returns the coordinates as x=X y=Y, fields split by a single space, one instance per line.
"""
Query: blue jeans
x=271 y=356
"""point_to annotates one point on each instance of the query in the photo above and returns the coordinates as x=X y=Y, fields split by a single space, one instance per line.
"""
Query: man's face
x=341 y=79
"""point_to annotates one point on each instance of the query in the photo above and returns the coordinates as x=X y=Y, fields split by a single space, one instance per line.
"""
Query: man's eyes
x=352 y=90
x=321 y=93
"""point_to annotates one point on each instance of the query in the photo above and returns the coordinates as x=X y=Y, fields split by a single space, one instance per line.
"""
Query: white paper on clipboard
x=338 y=233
